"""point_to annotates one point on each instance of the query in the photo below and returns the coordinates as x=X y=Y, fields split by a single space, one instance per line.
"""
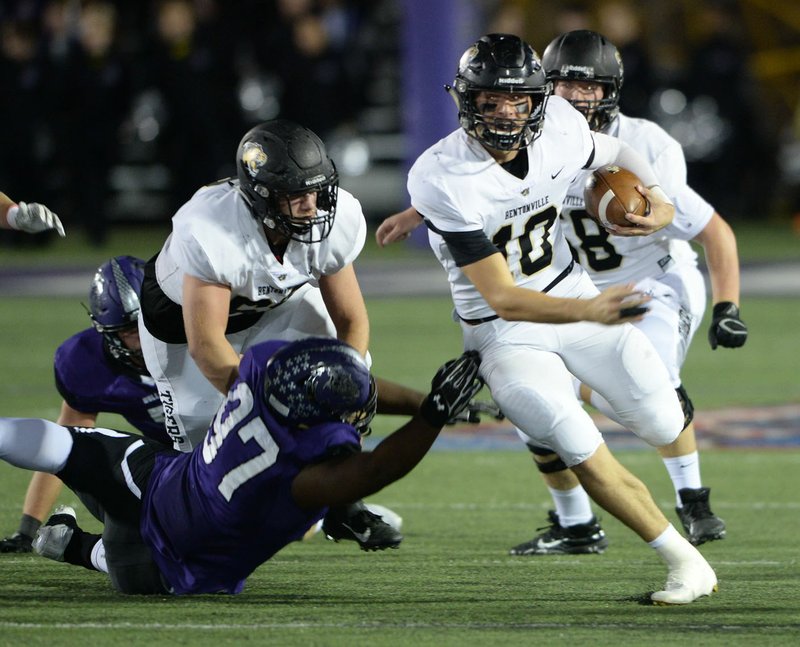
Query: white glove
x=33 y=218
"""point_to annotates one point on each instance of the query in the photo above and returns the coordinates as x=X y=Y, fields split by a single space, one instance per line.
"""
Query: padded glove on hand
x=726 y=328
x=452 y=388
x=34 y=217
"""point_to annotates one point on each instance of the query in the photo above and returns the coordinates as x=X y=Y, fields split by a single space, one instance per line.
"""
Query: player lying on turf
x=283 y=446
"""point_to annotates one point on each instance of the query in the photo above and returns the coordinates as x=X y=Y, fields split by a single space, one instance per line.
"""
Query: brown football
x=610 y=193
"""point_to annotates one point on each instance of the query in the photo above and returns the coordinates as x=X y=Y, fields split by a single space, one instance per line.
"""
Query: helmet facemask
x=599 y=113
x=130 y=357
x=278 y=215
x=504 y=134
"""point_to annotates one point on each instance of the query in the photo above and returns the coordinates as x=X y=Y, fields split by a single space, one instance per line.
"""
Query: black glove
x=726 y=328
x=473 y=411
x=453 y=386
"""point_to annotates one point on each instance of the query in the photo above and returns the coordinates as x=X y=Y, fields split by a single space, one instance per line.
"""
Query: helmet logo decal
x=466 y=57
x=253 y=158
x=317 y=179
x=586 y=70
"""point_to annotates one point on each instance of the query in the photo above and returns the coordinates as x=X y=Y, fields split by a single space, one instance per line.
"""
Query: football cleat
x=355 y=522
x=691 y=580
x=53 y=537
x=580 y=539
x=700 y=523
x=387 y=514
x=16 y=543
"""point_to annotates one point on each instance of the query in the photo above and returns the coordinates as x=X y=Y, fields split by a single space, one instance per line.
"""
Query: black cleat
x=700 y=523
x=16 y=543
x=355 y=522
x=580 y=539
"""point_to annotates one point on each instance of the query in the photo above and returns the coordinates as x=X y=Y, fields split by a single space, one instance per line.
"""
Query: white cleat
x=52 y=538
x=686 y=583
x=388 y=515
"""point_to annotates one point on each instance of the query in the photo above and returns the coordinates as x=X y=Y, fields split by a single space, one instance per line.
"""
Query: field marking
x=158 y=626
x=668 y=504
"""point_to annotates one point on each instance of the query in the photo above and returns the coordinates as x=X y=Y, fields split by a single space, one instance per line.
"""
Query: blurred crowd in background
x=117 y=111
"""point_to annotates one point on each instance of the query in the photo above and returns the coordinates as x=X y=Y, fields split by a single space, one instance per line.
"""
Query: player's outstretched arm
x=397 y=227
x=493 y=280
x=396 y=399
x=349 y=478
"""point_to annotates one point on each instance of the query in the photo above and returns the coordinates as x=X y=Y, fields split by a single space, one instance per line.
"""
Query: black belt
x=548 y=287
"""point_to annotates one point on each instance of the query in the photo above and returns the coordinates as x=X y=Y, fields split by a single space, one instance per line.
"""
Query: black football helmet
x=318 y=380
x=114 y=306
x=277 y=160
x=500 y=63
x=584 y=55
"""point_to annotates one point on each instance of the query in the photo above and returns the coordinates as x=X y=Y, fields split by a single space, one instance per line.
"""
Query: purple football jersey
x=91 y=381
x=212 y=516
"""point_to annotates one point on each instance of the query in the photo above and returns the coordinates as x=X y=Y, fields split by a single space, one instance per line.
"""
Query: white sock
x=572 y=506
x=684 y=472
x=34 y=444
x=672 y=547
x=98 y=557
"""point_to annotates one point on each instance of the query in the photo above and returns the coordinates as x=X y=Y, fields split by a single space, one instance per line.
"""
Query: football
x=610 y=193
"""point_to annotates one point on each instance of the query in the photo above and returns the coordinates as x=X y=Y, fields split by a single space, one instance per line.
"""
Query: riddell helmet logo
x=585 y=70
x=253 y=158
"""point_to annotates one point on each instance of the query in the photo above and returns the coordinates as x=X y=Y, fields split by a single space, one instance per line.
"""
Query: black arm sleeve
x=467 y=247
x=591 y=157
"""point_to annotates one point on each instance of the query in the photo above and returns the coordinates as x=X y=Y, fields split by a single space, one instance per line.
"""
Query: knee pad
x=549 y=467
x=686 y=405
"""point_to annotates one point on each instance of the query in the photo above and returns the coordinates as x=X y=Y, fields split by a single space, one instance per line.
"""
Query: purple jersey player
x=98 y=370
x=109 y=386
x=283 y=446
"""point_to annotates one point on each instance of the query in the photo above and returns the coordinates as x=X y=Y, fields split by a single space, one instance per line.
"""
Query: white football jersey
x=216 y=239
x=458 y=187
x=617 y=259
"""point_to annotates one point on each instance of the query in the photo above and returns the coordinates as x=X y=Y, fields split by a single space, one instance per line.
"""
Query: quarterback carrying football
x=490 y=194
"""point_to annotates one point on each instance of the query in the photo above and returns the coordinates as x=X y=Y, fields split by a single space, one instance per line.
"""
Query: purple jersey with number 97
x=212 y=516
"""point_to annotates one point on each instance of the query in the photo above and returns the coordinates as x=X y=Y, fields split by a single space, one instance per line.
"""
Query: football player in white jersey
x=491 y=193
x=587 y=70
x=266 y=255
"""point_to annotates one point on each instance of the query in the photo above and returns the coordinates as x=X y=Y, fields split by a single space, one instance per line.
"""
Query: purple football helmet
x=318 y=380
x=114 y=306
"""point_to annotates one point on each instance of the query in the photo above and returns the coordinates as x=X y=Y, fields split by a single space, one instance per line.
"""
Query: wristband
x=432 y=414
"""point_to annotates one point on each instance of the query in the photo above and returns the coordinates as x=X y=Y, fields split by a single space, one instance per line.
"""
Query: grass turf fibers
x=451 y=582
